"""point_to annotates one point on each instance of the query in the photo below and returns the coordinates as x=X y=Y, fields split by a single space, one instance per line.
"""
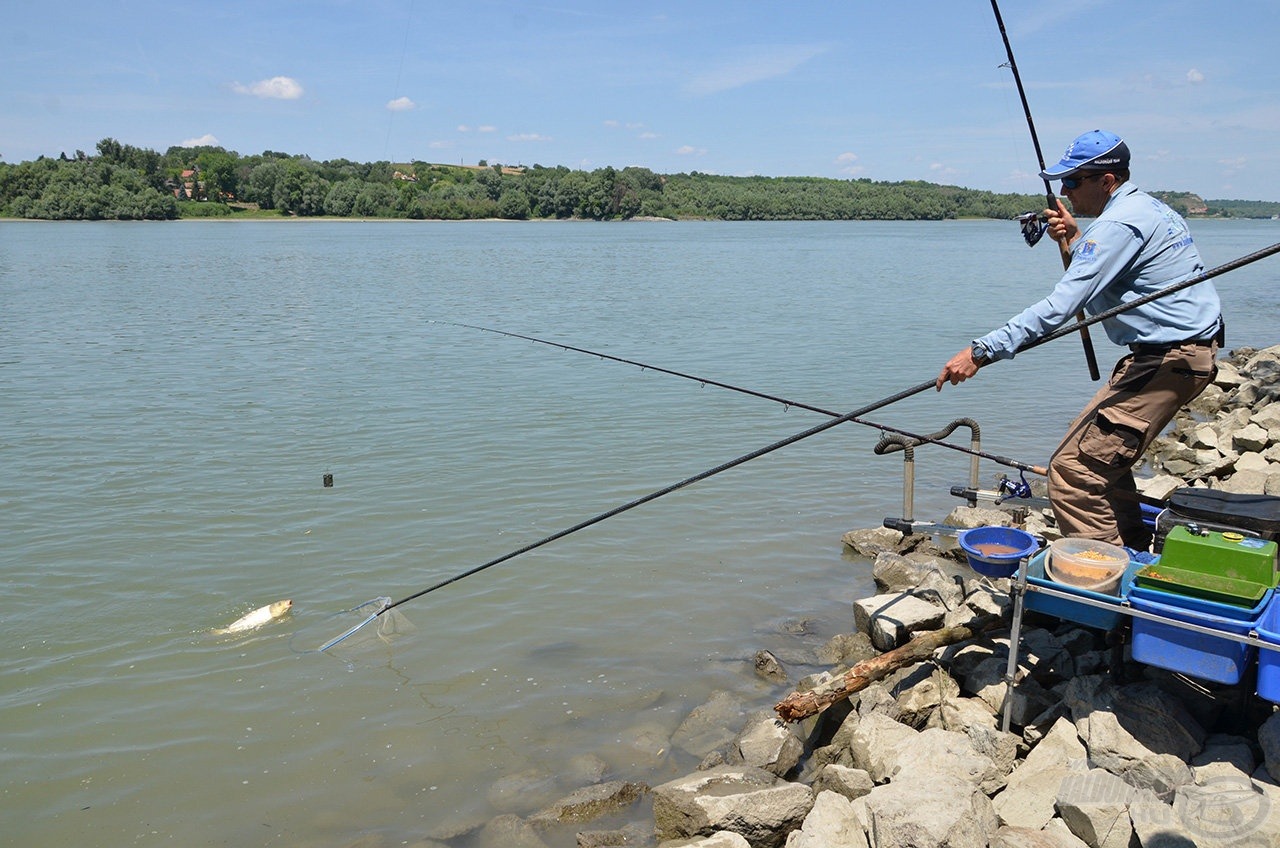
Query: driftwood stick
x=800 y=705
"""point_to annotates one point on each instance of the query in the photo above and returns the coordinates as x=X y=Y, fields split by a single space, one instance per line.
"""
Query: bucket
x=1086 y=564
x=996 y=551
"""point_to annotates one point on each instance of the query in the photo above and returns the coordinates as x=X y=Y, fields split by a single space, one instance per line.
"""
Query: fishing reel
x=1033 y=226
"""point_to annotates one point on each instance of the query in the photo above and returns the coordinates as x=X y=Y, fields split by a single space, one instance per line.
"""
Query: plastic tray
x=1202 y=605
x=1071 y=610
x=1186 y=652
x=1197 y=584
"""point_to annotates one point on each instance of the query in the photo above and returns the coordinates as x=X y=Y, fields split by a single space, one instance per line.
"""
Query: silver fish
x=258 y=617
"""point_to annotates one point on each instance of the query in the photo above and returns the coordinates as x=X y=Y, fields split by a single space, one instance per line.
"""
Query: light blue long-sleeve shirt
x=1137 y=246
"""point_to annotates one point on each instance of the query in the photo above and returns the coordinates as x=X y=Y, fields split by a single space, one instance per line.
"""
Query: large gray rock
x=927 y=811
x=832 y=823
x=850 y=782
x=874 y=743
x=711 y=725
x=1122 y=727
x=919 y=690
x=873 y=541
x=747 y=801
x=847 y=649
x=1030 y=797
x=1023 y=837
x=891 y=619
x=945 y=752
x=1095 y=806
x=723 y=839
x=509 y=831
x=769 y=744
x=591 y=802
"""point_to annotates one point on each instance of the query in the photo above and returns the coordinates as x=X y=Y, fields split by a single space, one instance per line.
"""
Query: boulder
x=768 y=668
x=769 y=744
x=891 y=619
x=711 y=725
x=1031 y=794
x=832 y=823
x=1122 y=727
x=1024 y=837
x=874 y=744
x=1095 y=806
x=919 y=690
x=591 y=802
x=927 y=811
x=874 y=541
x=850 y=782
x=634 y=833
x=747 y=801
x=722 y=839
x=946 y=752
x=509 y=831
x=847 y=649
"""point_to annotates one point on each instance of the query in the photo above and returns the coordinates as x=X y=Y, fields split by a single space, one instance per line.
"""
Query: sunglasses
x=1076 y=182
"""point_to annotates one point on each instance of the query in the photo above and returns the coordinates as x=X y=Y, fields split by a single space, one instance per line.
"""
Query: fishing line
x=382 y=607
x=933 y=439
x=1032 y=228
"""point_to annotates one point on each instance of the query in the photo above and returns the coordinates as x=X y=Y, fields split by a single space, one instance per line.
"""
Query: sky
x=878 y=90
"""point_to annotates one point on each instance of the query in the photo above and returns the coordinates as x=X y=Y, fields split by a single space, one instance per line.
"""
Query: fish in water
x=258 y=617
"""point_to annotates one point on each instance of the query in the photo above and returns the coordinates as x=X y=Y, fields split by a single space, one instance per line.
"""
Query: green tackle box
x=1222 y=554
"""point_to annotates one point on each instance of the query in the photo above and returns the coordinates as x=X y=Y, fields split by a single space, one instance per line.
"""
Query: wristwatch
x=979 y=352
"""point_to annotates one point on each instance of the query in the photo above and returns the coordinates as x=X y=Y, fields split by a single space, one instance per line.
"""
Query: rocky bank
x=1103 y=752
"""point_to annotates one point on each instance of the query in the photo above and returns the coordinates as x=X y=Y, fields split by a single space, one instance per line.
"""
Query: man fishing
x=1135 y=245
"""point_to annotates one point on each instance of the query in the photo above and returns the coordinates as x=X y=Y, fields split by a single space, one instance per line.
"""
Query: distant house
x=188 y=185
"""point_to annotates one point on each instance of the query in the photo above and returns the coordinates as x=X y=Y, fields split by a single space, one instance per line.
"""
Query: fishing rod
x=933 y=439
x=384 y=605
x=1032 y=227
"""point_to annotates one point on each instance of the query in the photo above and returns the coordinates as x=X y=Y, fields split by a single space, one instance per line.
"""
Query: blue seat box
x=1269 y=661
x=1071 y=610
x=1193 y=654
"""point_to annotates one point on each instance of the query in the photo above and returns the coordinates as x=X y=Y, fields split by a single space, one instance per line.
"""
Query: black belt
x=1165 y=347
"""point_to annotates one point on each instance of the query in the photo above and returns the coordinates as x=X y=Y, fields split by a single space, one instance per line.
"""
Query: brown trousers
x=1091 y=484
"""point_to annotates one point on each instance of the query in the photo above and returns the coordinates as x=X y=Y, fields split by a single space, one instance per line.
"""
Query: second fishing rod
x=933 y=438
x=384 y=605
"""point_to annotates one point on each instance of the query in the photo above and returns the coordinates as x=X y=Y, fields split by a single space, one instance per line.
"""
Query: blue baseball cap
x=1093 y=151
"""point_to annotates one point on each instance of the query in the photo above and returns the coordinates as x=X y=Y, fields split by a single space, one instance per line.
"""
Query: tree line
x=130 y=183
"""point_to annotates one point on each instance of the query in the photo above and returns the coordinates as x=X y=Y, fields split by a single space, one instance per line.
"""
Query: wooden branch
x=800 y=705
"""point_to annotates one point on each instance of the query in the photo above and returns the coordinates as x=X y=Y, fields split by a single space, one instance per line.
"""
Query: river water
x=173 y=395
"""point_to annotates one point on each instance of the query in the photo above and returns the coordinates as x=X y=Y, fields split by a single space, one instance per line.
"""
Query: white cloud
x=764 y=63
x=690 y=150
x=463 y=128
x=528 y=137
x=276 y=88
x=1194 y=76
x=613 y=125
x=206 y=140
x=486 y=128
x=440 y=145
x=649 y=135
x=401 y=104
x=845 y=158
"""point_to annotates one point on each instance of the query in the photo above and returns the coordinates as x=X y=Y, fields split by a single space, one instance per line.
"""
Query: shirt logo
x=1087 y=251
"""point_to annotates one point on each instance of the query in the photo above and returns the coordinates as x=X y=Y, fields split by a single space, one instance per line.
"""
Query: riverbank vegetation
x=122 y=182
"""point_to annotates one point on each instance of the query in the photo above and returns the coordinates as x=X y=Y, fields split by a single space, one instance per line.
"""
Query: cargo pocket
x=1113 y=437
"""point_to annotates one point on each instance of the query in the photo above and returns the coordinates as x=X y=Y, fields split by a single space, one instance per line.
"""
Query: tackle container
x=1225 y=554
